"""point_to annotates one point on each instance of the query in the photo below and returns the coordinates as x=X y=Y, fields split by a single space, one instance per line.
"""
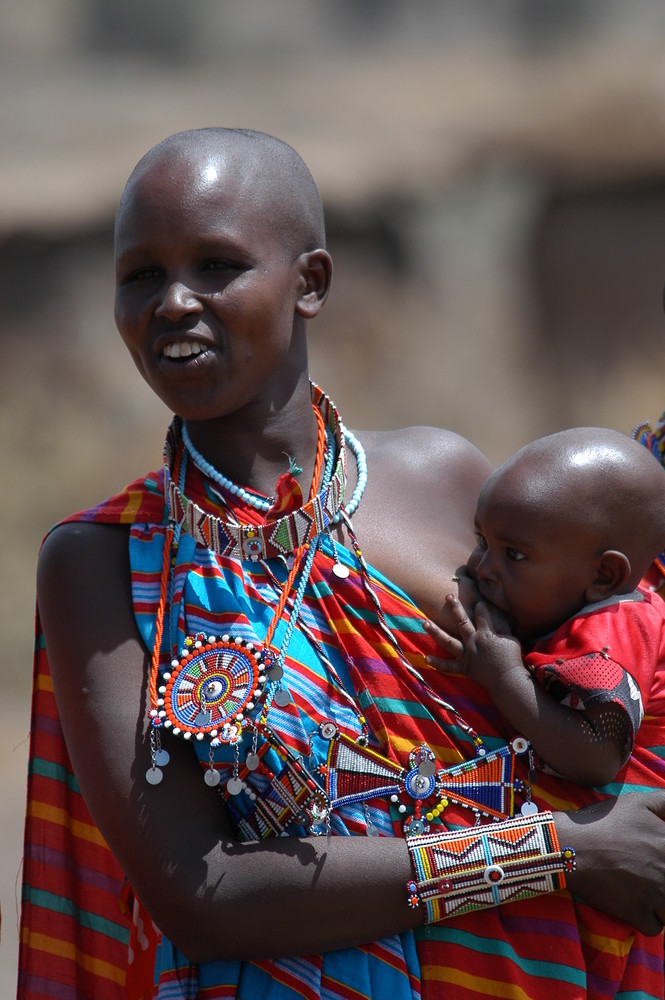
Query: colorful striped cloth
x=75 y=920
x=74 y=931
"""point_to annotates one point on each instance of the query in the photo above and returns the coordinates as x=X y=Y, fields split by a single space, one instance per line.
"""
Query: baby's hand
x=457 y=647
x=451 y=664
x=481 y=648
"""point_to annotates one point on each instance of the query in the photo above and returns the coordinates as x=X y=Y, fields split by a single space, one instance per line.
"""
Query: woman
x=285 y=547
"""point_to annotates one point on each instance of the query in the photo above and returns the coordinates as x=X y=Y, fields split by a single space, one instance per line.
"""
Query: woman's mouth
x=183 y=349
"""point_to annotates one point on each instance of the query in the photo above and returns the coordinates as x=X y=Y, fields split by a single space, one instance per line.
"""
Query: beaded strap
x=460 y=871
x=654 y=440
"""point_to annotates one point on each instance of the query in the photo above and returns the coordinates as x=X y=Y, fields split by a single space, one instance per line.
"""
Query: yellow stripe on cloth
x=50 y=814
x=482 y=986
x=606 y=945
x=132 y=507
x=67 y=950
x=44 y=682
x=445 y=755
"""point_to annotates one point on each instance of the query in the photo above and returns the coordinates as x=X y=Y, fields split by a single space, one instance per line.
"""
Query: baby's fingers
x=463 y=624
x=449 y=642
x=490 y=619
x=445 y=666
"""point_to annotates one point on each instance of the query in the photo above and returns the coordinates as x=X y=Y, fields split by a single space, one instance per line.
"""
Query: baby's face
x=534 y=566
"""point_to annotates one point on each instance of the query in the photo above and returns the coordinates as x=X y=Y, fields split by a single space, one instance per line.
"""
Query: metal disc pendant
x=341 y=571
x=234 y=786
x=328 y=730
x=154 y=775
x=252 y=761
x=211 y=777
x=529 y=809
x=162 y=757
x=427 y=768
x=275 y=673
x=319 y=813
x=282 y=698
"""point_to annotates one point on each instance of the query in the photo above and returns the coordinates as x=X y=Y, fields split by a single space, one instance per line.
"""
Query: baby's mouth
x=491 y=596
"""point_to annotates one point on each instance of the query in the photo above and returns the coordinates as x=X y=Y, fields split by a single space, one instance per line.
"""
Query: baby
x=567 y=528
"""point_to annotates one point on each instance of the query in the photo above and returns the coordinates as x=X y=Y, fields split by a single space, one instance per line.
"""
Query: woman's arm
x=212 y=896
x=620 y=846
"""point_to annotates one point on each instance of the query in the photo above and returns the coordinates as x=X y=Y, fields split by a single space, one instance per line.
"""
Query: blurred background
x=494 y=178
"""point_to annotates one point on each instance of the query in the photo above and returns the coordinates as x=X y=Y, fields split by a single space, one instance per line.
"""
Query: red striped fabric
x=74 y=934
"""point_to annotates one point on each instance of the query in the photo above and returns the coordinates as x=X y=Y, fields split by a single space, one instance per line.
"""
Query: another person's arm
x=587 y=747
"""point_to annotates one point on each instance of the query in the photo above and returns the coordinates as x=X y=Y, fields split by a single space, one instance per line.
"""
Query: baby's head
x=571 y=519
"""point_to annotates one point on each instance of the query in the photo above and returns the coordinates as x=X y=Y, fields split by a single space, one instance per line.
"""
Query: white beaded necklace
x=263 y=505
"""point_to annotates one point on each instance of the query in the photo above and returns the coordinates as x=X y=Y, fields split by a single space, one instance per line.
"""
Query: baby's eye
x=515 y=555
x=220 y=265
x=481 y=542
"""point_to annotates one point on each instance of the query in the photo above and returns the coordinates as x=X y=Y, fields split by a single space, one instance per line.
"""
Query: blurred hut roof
x=371 y=122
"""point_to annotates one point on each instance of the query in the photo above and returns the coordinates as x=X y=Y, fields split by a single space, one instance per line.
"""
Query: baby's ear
x=612 y=571
x=315 y=277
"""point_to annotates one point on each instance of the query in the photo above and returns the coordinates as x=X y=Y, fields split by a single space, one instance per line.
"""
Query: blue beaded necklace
x=264 y=504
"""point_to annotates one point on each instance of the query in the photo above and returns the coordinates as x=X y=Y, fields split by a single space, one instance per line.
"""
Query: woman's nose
x=177 y=300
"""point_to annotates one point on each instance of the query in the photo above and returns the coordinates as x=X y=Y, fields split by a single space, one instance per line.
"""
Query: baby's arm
x=587 y=747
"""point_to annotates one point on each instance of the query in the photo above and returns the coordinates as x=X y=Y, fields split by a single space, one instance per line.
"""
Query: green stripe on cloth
x=56 y=772
x=397 y=623
x=58 y=904
x=635 y=995
x=492 y=946
x=321 y=589
x=393 y=706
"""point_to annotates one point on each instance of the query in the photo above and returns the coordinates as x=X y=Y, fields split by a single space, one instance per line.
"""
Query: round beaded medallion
x=212 y=684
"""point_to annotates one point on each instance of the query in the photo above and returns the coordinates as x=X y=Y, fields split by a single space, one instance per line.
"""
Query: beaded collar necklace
x=264 y=505
x=271 y=538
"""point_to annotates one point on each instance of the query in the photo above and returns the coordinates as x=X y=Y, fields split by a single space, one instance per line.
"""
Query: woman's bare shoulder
x=432 y=454
x=72 y=547
x=83 y=576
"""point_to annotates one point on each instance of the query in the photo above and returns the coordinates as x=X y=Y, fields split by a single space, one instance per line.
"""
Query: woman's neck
x=254 y=446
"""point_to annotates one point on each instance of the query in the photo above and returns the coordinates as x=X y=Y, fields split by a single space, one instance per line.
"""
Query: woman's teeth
x=182 y=350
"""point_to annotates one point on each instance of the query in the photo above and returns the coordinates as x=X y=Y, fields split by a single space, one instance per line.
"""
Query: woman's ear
x=316 y=274
x=612 y=571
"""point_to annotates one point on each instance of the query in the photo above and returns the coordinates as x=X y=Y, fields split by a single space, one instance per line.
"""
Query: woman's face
x=206 y=290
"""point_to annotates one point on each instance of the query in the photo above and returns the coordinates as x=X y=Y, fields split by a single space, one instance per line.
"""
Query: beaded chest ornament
x=221 y=687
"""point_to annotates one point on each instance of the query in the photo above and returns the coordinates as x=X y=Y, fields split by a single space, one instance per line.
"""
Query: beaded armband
x=465 y=870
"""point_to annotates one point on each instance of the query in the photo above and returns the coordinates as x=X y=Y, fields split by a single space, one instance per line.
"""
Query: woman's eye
x=481 y=542
x=142 y=274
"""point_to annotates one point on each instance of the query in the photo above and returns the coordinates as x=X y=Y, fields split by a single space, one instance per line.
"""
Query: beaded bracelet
x=486 y=865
